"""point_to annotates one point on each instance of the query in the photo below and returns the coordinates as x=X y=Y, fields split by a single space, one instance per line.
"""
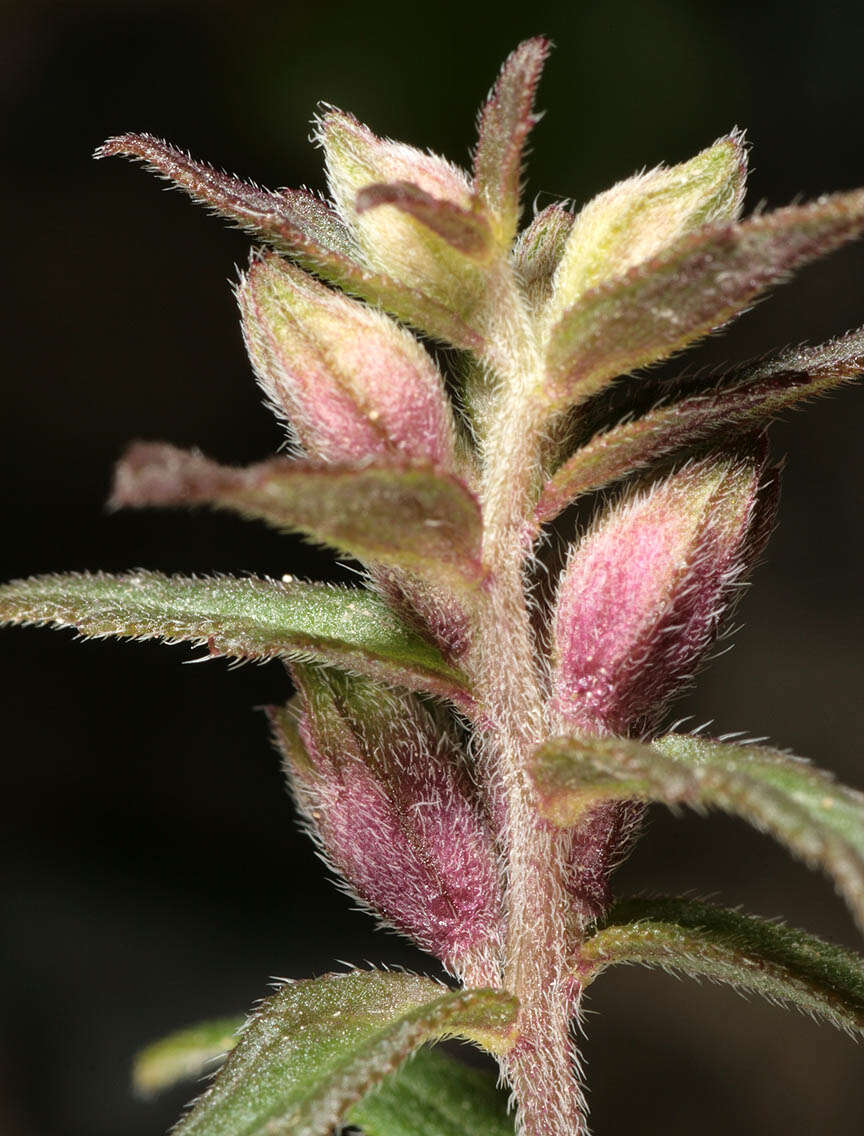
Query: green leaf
x=298 y=223
x=802 y=807
x=414 y=306
x=773 y=386
x=318 y=1046
x=184 y=1054
x=240 y=619
x=505 y=122
x=406 y=515
x=433 y=1094
x=782 y=964
x=659 y=306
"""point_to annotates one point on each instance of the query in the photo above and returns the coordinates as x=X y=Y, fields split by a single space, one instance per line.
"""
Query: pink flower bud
x=385 y=792
x=353 y=383
x=645 y=591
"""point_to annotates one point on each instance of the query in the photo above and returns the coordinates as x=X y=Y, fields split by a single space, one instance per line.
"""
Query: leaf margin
x=420 y=1009
x=747 y=399
x=702 y=940
x=156 y=474
x=676 y=769
x=430 y=672
x=834 y=220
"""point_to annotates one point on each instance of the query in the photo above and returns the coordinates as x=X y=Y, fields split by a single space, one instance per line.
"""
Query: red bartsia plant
x=472 y=752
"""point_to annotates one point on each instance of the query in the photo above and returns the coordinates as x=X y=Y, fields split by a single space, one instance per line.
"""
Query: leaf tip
x=109 y=147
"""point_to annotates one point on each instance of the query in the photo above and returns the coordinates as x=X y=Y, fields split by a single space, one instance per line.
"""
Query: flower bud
x=413 y=214
x=386 y=794
x=644 y=593
x=640 y=217
x=538 y=251
x=353 y=383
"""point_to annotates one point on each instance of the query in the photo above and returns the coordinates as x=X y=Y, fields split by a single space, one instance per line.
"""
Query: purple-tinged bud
x=386 y=794
x=353 y=383
x=644 y=593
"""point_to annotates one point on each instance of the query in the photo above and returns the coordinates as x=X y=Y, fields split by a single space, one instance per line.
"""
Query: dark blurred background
x=152 y=872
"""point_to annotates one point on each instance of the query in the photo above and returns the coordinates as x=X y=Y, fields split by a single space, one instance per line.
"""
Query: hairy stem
x=541 y=1068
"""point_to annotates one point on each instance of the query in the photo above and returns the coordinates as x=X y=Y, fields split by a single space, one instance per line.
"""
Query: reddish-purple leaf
x=643 y=594
x=505 y=122
x=410 y=516
x=661 y=305
x=386 y=792
x=758 y=394
x=300 y=224
x=294 y=220
x=466 y=230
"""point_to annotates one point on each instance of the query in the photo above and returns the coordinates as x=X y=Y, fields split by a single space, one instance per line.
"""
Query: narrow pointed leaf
x=318 y=1046
x=766 y=390
x=183 y=1055
x=538 y=252
x=296 y=222
x=661 y=305
x=240 y=619
x=780 y=963
x=407 y=515
x=466 y=230
x=291 y=219
x=802 y=807
x=433 y=1094
x=505 y=122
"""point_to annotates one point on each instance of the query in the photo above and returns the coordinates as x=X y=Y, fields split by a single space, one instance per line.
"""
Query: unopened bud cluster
x=420 y=829
x=440 y=486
